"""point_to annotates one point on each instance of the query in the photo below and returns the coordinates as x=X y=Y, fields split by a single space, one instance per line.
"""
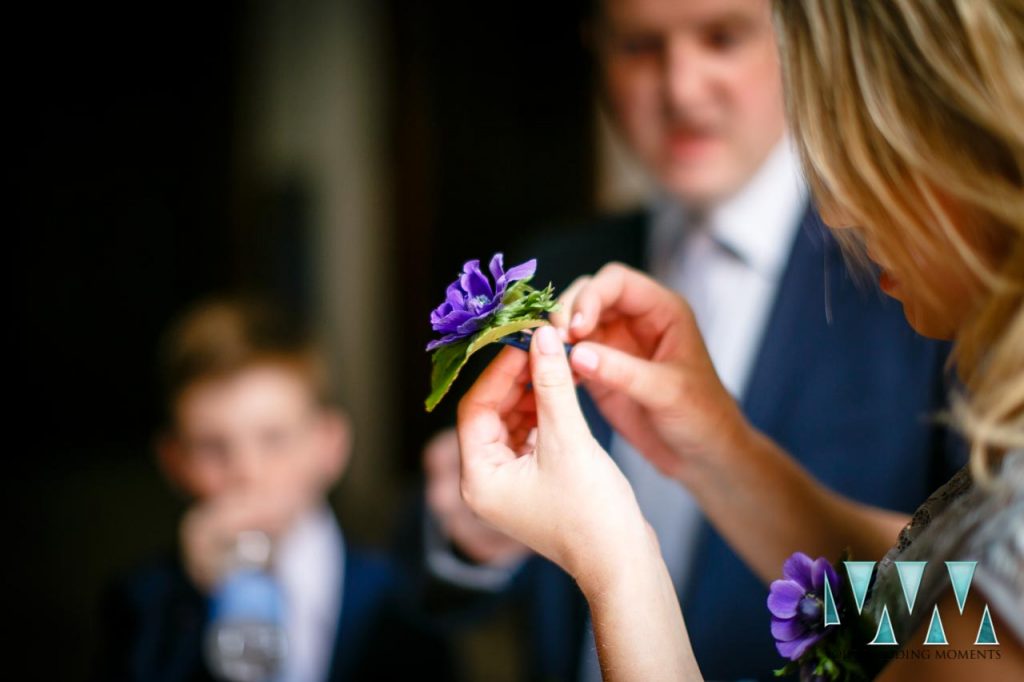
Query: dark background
x=133 y=198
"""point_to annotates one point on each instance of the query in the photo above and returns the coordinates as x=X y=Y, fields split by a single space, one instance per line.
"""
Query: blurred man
x=694 y=89
x=255 y=446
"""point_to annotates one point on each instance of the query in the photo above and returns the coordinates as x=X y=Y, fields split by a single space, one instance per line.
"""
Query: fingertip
x=549 y=361
x=547 y=341
x=584 y=315
x=577 y=322
x=584 y=359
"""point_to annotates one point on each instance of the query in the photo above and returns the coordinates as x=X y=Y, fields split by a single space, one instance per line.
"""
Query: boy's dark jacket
x=155 y=619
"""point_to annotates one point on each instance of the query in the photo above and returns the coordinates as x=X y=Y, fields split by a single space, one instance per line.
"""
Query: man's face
x=258 y=432
x=694 y=87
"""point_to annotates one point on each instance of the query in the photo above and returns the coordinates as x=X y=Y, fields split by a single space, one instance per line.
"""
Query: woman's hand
x=531 y=468
x=645 y=364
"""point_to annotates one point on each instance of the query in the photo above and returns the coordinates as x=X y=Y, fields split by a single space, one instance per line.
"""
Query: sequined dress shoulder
x=964 y=520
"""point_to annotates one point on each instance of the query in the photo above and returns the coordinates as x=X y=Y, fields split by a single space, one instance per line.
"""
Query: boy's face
x=258 y=432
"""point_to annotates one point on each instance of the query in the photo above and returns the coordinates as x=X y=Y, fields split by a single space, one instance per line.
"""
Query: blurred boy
x=254 y=445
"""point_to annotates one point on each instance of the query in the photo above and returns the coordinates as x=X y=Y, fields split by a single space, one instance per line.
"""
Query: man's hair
x=220 y=337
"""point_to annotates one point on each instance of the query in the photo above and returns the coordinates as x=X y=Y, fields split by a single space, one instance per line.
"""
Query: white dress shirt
x=727 y=264
x=309 y=564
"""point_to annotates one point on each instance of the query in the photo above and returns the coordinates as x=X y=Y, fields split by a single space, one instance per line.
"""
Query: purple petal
x=784 y=598
x=798 y=569
x=795 y=648
x=818 y=574
x=474 y=282
x=469 y=326
x=443 y=341
x=521 y=271
x=787 y=629
x=476 y=321
x=451 y=322
x=440 y=312
x=452 y=316
x=819 y=571
x=497 y=267
x=454 y=296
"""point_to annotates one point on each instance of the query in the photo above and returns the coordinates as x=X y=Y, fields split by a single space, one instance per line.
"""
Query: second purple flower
x=797 y=604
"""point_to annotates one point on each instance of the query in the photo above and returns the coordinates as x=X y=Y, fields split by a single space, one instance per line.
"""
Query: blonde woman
x=909 y=117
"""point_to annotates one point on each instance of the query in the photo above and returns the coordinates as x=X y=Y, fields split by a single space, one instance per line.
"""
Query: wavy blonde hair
x=909 y=118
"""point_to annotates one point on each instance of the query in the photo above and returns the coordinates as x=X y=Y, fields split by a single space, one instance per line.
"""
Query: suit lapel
x=797 y=298
x=356 y=605
x=815 y=258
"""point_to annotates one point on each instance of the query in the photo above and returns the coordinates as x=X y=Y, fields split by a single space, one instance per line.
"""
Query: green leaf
x=788 y=669
x=522 y=301
x=445 y=365
x=491 y=335
x=448 y=360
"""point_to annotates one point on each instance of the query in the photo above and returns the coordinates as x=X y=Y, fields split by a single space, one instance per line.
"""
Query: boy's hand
x=210 y=529
x=474 y=538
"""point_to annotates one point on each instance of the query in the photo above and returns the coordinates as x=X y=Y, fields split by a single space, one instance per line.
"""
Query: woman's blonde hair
x=909 y=118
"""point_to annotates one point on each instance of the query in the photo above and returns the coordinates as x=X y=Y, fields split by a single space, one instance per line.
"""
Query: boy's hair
x=220 y=337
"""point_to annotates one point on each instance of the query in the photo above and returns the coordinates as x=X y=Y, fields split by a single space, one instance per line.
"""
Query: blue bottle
x=245 y=639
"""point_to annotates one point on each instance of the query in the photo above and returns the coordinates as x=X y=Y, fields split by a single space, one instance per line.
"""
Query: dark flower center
x=810 y=609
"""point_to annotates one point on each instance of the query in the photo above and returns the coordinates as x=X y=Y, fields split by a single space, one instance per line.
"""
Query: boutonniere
x=478 y=311
x=804 y=604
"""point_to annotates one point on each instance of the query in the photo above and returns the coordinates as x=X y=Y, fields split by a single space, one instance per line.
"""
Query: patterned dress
x=964 y=520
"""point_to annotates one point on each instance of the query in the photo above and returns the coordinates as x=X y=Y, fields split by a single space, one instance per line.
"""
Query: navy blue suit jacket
x=841 y=382
x=155 y=619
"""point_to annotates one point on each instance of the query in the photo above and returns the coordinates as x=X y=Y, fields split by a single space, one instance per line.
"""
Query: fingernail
x=547 y=340
x=563 y=334
x=584 y=358
x=577 y=321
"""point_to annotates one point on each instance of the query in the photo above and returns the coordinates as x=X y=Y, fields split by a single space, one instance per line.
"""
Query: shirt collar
x=311 y=555
x=757 y=223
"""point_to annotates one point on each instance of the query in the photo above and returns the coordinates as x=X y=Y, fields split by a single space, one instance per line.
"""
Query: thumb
x=558 y=409
x=606 y=369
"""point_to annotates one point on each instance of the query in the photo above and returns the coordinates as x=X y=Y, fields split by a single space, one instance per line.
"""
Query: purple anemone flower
x=797 y=604
x=472 y=299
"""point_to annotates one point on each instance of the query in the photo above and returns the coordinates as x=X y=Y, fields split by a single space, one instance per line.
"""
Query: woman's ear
x=335 y=445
